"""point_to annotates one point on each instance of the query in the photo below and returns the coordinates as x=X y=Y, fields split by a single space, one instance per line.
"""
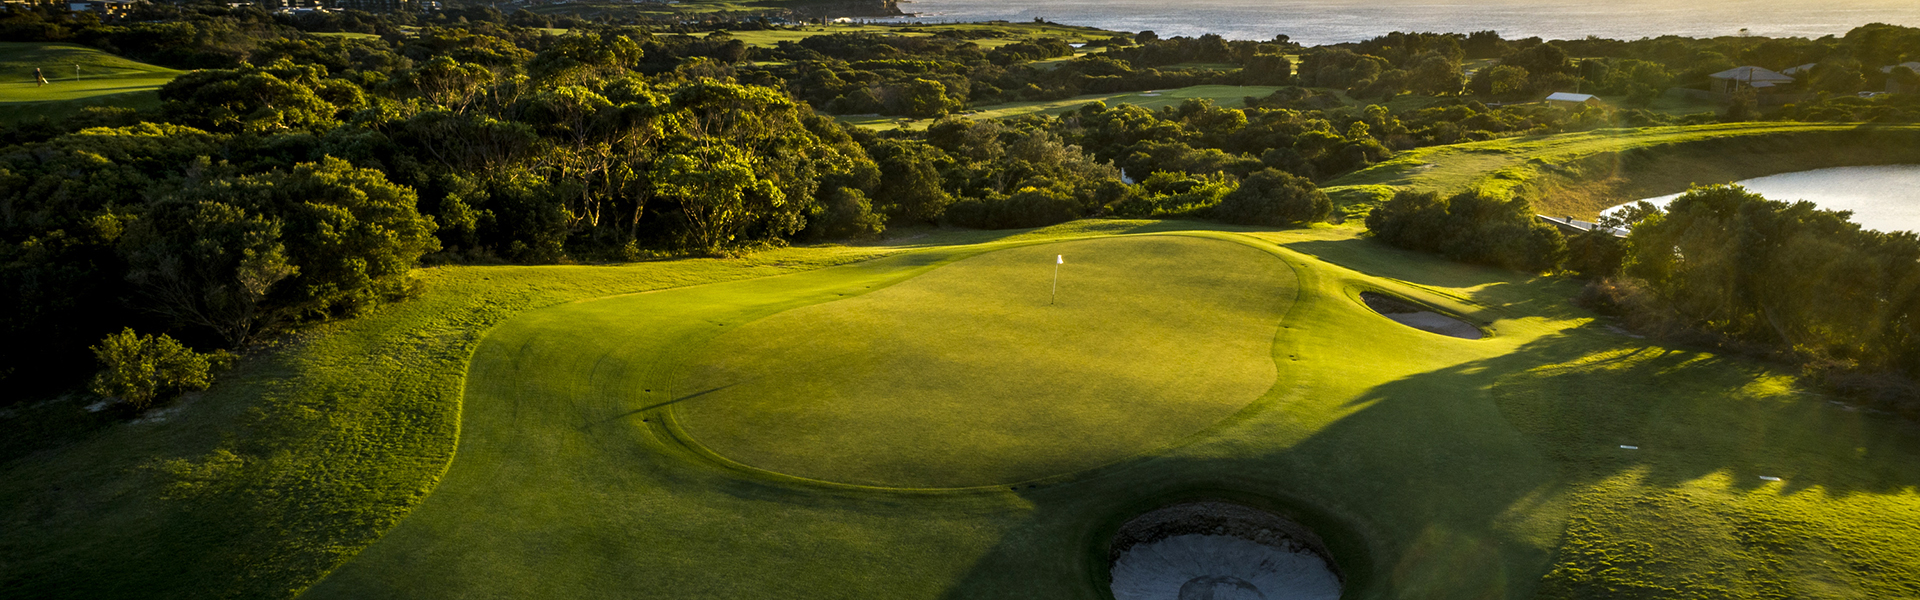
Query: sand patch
x=1408 y=314
x=1219 y=551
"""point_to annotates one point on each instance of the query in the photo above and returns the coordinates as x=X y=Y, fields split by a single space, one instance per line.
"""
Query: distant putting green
x=101 y=80
x=967 y=376
x=1222 y=95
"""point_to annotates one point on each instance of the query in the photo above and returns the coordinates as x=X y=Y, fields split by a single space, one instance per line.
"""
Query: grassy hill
x=587 y=466
x=103 y=80
x=1583 y=173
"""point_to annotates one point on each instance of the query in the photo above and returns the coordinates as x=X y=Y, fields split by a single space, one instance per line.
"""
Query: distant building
x=1572 y=100
x=104 y=8
x=1762 y=81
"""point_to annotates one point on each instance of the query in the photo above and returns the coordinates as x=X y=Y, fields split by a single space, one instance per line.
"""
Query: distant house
x=104 y=8
x=1572 y=100
x=1759 y=80
x=1799 y=70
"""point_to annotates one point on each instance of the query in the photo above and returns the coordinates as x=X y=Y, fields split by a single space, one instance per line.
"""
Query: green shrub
x=1274 y=198
x=1469 y=227
x=145 y=369
x=1175 y=194
x=1595 y=254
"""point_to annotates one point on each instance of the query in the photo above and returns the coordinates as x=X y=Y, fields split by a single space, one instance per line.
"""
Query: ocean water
x=1883 y=198
x=1333 y=21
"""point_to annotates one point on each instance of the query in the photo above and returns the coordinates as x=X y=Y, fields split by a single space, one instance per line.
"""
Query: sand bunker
x=1419 y=318
x=1219 y=551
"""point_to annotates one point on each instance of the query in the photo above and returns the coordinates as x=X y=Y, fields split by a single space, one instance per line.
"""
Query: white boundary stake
x=1058 y=259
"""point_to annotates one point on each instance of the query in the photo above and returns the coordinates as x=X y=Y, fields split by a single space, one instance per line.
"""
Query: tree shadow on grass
x=1455 y=483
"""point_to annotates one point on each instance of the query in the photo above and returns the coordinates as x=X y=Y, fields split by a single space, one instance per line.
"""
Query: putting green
x=102 y=80
x=968 y=376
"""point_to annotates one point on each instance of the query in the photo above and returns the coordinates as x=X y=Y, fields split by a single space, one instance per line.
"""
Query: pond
x=1884 y=198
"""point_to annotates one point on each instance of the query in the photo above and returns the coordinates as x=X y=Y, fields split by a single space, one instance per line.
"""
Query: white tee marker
x=1058 y=259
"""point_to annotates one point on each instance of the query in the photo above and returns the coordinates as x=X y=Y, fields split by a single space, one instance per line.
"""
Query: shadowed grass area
x=102 y=80
x=1435 y=467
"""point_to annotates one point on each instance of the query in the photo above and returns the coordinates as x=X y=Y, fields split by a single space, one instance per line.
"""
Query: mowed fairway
x=968 y=376
x=103 y=80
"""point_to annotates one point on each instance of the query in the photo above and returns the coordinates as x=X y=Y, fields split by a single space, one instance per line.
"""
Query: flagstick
x=1057 y=261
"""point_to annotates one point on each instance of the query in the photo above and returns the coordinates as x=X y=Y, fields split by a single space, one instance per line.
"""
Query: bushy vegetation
x=1471 y=226
x=1275 y=199
x=143 y=369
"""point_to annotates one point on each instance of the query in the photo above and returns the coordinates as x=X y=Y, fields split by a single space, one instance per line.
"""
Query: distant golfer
x=38 y=76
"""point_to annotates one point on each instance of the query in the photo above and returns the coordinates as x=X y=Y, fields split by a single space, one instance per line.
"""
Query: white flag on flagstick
x=1058 y=259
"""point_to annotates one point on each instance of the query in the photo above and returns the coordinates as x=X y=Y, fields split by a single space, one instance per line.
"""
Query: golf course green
x=969 y=375
x=101 y=79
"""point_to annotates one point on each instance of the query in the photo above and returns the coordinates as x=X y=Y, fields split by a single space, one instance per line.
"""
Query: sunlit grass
x=101 y=80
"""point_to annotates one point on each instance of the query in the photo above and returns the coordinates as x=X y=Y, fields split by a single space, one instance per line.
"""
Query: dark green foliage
x=142 y=370
x=1470 y=227
x=1595 y=253
x=845 y=214
x=1175 y=194
x=352 y=234
x=200 y=261
x=1027 y=207
x=279 y=98
x=1274 y=198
